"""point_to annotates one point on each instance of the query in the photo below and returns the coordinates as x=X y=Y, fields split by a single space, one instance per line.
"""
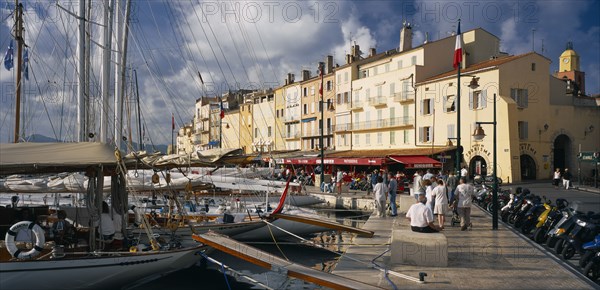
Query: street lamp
x=474 y=84
x=478 y=135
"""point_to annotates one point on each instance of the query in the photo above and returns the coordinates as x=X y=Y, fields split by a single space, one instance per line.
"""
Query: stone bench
x=404 y=202
x=418 y=249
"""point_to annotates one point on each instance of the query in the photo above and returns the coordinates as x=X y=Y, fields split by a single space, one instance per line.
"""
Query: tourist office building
x=397 y=109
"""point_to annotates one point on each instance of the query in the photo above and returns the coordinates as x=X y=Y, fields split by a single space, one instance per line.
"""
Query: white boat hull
x=94 y=272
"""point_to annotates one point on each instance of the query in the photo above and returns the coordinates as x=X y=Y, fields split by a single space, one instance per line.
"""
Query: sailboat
x=75 y=266
x=86 y=262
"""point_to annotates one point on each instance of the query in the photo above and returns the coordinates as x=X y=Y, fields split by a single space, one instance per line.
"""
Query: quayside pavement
x=479 y=258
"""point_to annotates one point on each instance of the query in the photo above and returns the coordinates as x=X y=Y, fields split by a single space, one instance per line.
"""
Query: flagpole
x=19 y=37
x=458 y=146
x=172 y=132
x=321 y=68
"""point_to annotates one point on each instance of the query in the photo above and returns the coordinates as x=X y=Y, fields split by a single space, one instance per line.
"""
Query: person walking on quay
x=440 y=193
x=429 y=185
x=451 y=183
x=464 y=173
x=556 y=178
x=393 y=189
x=380 y=190
x=567 y=178
x=464 y=194
x=421 y=217
x=417 y=184
x=339 y=179
x=373 y=180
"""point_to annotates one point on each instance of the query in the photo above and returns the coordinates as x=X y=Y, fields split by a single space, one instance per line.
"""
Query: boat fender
x=155 y=178
x=12 y=234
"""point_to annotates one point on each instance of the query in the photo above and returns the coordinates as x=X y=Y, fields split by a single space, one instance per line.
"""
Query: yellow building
x=311 y=122
x=539 y=126
x=263 y=120
x=290 y=116
x=279 y=126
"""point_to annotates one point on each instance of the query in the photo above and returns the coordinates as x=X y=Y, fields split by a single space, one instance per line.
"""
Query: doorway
x=562 y=148
x=528 y=167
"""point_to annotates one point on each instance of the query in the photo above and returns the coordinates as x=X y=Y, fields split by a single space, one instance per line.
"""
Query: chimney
x=348 y=59
x=405 y=37
x=290 y=79
x=426 y=38
x=329 y=64
x=305 y=75
x=372 y=51
x=356 y=51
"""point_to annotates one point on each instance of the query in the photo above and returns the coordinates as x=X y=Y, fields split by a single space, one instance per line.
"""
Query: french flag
x=222 y=114
x=458 y=51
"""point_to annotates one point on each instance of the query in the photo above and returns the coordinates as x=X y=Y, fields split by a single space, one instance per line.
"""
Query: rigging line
x=185 y=45
x=251 y=50
x=221 y=49
x=202 y=86
x=266 y=52
x=209 y=44
x=238 y=52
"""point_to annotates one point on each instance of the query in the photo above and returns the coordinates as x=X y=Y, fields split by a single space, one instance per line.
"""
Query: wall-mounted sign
x=477 y=149
x=526 y=148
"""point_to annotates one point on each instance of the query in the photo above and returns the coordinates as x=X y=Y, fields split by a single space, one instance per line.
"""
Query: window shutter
x=429 y=131
x=525 y=98
x=471 y=100
x=421 y=134
x=483 y=99
x=525 y=130
x=392 y=89
x=422 y=107
x=451 y=130
x=431 y=108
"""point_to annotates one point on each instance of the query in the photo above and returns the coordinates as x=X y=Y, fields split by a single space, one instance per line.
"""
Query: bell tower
x=569 y=68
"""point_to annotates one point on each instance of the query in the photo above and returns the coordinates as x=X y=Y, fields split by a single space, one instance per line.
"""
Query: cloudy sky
x=253 y=44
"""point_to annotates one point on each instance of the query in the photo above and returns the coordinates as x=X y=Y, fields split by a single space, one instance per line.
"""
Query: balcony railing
x=357 y=105
x=291 y=119
x=378 y=101
x=384 y=123
x=342 y=127
x=292 y=135
x=316 y=133
x=403 y=97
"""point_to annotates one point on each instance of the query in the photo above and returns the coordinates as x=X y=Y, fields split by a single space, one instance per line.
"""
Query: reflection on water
x=207 y=275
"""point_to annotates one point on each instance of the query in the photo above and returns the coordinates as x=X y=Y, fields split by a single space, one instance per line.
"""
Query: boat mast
x=139 y=113
x=81 y=72
x=123 y=67
x=89 y=125
x=117 y=39
x=19 y=37
x=104 y=106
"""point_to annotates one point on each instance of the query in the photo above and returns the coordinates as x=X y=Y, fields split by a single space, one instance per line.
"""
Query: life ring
x=12 y=233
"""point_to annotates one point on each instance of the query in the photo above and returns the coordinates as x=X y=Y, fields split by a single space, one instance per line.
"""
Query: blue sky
x=253 y=44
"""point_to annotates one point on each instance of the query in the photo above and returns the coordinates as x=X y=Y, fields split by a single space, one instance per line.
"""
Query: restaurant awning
x=416 y=161
x=335 y=161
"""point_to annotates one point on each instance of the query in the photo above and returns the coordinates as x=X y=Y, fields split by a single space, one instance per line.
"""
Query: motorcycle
x=550 y=220
x=590 y=248
x=532 y=216
x=520 y=216
x=592 y=269
x=585 y=230
x=478 y=179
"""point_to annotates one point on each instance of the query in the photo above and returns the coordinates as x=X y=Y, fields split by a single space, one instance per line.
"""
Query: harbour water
x=207 y=275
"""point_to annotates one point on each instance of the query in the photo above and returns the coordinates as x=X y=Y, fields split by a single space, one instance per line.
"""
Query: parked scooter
x=592 y=269
x=590 y=248
x=584 y=231
x=548 y=220
x=534 y=213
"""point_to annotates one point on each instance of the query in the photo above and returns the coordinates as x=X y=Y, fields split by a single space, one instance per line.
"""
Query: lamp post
x=474 y=84
x=321 y=71
x=479 y=134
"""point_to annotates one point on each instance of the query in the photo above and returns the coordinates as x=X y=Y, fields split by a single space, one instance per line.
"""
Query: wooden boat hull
x=94 y=272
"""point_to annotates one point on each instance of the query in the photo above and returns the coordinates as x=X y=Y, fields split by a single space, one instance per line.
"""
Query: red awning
x=334 y=161
x=416 y=161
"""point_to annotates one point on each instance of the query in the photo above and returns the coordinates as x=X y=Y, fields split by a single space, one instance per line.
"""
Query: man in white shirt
x=464 y=173
x=421 y=217
x=464 y=193
x=417 y=184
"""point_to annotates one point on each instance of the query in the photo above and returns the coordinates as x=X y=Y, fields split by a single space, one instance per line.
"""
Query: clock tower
x=568 y=68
